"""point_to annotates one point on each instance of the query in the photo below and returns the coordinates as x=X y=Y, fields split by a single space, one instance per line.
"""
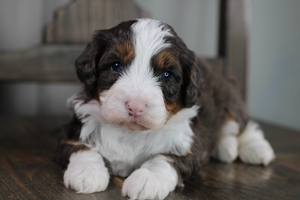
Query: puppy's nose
x=135 y=108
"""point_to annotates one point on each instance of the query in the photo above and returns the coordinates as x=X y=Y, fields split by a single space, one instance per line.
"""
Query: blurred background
x=273 y=88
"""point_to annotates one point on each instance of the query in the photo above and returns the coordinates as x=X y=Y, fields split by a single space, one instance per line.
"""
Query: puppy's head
x=140 y=72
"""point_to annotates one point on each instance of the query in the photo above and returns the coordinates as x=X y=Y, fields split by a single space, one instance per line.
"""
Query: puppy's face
x=140 y=72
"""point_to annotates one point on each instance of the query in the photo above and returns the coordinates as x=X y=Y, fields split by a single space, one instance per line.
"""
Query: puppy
x=153 y=112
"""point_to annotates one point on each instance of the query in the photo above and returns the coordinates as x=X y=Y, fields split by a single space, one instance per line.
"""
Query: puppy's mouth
x=133 y=126
x=138 y=124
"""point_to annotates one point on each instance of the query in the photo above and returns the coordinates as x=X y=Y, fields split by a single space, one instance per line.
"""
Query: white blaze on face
x=136 y=101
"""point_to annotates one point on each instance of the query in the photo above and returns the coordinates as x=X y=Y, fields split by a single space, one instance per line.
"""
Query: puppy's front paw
x=144 y=184
x=86 y=176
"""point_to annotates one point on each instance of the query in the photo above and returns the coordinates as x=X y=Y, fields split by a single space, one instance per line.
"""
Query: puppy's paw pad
x=227 y=150
x=257 y=152
x=86 y=177
x=144 y=184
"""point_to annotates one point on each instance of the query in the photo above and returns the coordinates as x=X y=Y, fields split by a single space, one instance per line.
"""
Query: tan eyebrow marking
x=125 y=52
x=164 y=59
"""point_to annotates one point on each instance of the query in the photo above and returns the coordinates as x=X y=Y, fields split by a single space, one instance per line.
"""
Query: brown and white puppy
x=151 y=111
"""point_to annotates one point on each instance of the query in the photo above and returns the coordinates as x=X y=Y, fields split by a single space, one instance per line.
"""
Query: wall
x=22 y=22
x=274 y=74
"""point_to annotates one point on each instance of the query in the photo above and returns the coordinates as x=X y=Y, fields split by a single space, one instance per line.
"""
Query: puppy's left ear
x=191 y=78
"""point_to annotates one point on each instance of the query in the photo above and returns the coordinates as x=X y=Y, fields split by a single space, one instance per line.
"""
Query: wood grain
x=234 y=22
x=76 y=22
x=43 y=63
x=27 y=169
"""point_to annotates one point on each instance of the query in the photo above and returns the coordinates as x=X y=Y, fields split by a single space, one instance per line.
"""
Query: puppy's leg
x=86 y=172
x=227 y=149
x=253 y=147
x=154 y=180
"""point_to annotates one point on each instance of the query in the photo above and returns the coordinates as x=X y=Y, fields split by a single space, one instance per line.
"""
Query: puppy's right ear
x=86 y=66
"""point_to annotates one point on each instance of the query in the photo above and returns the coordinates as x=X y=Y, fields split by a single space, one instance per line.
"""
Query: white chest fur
x=127 y=150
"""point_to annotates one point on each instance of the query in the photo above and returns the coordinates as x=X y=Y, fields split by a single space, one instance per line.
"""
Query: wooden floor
x=27 y=170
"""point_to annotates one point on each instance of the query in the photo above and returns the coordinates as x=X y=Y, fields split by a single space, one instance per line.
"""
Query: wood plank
x=44 y=63
x=233 y=40
x=76 y=22
x=27 y=170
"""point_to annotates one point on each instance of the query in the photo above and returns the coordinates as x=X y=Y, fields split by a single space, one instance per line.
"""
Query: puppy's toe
x=253 y=147
x=227 y=150
x=86 y=178
x=144 y=184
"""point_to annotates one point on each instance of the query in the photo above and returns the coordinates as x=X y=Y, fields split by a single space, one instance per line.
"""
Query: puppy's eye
x=117 y=67
x=166 y=76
